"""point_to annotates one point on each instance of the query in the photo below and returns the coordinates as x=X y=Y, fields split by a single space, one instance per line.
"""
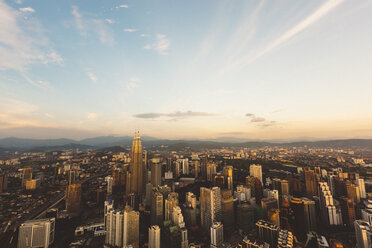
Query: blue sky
x=268 y=70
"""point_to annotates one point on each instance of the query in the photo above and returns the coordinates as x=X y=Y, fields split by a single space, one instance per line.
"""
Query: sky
x=250 y=69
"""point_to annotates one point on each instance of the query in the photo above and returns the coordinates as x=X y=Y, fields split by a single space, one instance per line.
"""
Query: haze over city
x=258 y=70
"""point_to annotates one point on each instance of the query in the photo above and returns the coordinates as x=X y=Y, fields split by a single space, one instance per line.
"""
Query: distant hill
x=124 y=141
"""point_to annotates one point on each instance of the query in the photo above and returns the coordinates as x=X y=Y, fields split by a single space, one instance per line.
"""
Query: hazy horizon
x=256 y=70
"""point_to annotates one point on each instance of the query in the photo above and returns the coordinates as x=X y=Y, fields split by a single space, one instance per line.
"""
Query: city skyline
x=256 y=70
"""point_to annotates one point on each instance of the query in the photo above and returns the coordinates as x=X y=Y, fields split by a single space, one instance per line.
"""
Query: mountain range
x=13 y=143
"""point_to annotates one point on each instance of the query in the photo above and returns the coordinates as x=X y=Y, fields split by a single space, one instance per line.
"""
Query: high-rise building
x=149 y=188
x=362 y=188
x=155 y=172
x=36 y=233
x=109 y=182
x=185 y=166
x=311 y=181
x=190 y=200
x=196 y=168
x=228 y=174
x=329 y=212
x=156 y=208
x=363 y=234
x=170 y=203
x=348 y=211
x=211 y=171
x=255 y=170
x=267 y=232
x=219 y=180
x=242 y=193
x=353 y=192
x=210 y=206
x=227 y=211
x=203 y=168
x=131 y=228
x=114 y=228
x=184 y=238
x=109 y=205
x=26 y=175
x=310 y=214
x=136 y=168
x=73 y=199
x=297 y=206
x=154 y=237
x=177 y=217
x=216 y=234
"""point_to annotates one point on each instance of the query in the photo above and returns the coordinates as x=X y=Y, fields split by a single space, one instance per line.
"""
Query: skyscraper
x=170 y=203
x=228 y=174
x=109 y=182
x=73 y=199
x=155 y=172
x=268 y=232
x=363 y=234
x=362 y=188
x=311 y=181
x=353 y=192
x=227 y=211
x=210 y=206
x=216 y=234
x=36 y=233
x=131 y=228
x=114 y=228
x=211 y=171
x=255 y=170
x=154 y=237
x=136 y=166
x=156 y=208
x=327 y=206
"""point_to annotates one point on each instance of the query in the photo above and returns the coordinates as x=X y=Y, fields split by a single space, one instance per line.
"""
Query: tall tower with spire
x=136 y=167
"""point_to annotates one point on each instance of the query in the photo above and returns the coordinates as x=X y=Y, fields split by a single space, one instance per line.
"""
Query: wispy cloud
x=161 y=45
x=174 y=115
x=110 y=21
x=130 y=30
x=91 y=76
x=27 y=9
x=37 y=83
x=96 y=26
x=122 y=6
x=306 y=23
x=258 y=119
x=23 y=42
x=133 y=82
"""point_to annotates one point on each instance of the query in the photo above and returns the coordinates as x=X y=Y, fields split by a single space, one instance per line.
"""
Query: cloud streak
x=174 y=115
x=310 y=20
x=161 y=45
x=98 y=27
x=130 y=30
x=22 y=40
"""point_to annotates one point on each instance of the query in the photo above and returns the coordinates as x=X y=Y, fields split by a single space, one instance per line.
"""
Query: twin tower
x=136 y=166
